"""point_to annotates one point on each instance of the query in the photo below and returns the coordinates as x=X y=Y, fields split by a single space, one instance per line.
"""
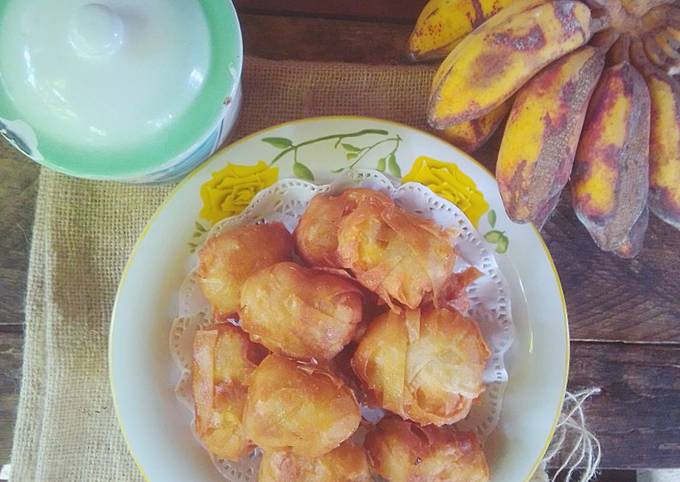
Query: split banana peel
x=590 y=97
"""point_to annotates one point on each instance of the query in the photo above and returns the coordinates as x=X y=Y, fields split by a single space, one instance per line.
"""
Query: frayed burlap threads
x=574 y=450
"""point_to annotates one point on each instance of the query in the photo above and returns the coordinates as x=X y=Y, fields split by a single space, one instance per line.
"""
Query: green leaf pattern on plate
x=499 y=239
x=393 y=167
x=278 y=142
x=381 y=164
x=197 y=237
x=303 y=172
x=350 y=148
x=493 y=236
x=492 y=218
x=502 y=244
x=354 y=153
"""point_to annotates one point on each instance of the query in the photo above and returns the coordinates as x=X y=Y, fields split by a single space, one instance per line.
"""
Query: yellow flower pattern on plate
x=447 y=181
x=230 y=190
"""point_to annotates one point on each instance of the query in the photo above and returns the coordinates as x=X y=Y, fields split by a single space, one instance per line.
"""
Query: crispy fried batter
x=401 y=451
x=423 y=366
x=346 y=463
x=302 y=408
x=401 y=256
x=227 y=259
x=300 y=312
x=223 y=358
x=316 y=235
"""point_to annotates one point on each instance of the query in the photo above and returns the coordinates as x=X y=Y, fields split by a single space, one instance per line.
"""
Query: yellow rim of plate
x=247 y=138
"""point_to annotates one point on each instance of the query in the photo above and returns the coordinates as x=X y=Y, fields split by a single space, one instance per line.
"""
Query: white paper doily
x=285 y=201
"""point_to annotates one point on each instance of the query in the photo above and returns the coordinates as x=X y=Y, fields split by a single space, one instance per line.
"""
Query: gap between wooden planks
x=402 y=11
x=325 y=40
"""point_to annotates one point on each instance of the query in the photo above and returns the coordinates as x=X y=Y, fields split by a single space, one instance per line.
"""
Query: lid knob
x=96 y=31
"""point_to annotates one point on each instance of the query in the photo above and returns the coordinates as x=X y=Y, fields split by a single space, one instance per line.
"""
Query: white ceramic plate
x=158 y=429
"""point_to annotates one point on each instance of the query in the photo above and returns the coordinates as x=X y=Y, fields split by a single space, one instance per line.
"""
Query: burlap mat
x=84 y=232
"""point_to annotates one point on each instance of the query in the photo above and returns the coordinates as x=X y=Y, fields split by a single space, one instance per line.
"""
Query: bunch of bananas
x=591 y=97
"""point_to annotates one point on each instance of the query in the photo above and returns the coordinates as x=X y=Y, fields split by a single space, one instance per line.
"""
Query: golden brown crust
x=316 y=235
x=301 y=408
x=300 y=312
x=223 y=358
x=227 y=259
x=401 y=451
x=402 y=257
x=423 y=366
x=347 y=463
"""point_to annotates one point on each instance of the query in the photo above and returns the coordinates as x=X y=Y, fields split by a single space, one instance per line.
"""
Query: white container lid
x=115 y=75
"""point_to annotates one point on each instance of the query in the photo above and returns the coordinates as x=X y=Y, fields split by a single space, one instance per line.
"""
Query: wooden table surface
x=624 y=315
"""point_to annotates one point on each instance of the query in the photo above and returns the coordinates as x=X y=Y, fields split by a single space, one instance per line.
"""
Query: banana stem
x=639 y=58
x=604 y=39
x=619 y=52
x=600 y=23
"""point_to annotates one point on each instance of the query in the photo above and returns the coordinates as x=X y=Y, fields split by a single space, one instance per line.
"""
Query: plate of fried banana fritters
x=344 y=300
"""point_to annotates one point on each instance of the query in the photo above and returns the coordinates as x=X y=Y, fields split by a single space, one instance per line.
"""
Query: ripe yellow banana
x=664 y=140
x=470 y=135
x=442 y=23
x=660 y=31
x=495 y=60
x=658 y=48
x=542 y=133
x=610 y=180
x=667 y=44
x=673 y=35
x=515 y=8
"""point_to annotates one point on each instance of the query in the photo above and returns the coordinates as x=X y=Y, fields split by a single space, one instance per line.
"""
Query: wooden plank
x=405 y=11
x=614 y=299
x=608 y=476
x=299 y=38
x=11 y=344
x=637 y=415
x=18 y=187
